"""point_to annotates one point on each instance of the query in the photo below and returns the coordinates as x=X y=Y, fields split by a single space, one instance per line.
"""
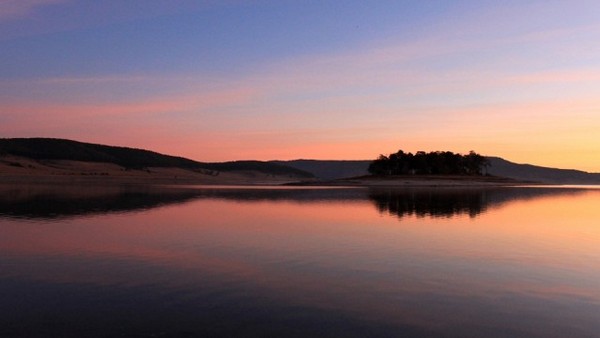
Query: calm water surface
x=291 y=262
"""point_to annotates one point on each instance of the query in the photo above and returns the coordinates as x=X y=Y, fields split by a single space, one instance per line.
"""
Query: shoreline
x=423 y=181
x=365 y=181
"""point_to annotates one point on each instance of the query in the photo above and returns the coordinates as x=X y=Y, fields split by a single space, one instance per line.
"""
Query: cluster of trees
x=432 y=163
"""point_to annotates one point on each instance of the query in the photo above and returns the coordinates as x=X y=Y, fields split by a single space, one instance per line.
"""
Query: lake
x=143 y=261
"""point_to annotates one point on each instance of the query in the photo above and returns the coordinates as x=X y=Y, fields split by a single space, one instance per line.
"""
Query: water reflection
x=63 y=201
x=300 y=262
x=449 y=202
x=431 y=203
x=59 y=201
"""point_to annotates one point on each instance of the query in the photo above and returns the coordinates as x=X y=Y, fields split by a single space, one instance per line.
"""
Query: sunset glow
x=216 y=81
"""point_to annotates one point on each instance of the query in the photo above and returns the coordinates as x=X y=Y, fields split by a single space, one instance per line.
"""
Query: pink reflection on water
x=335 y=254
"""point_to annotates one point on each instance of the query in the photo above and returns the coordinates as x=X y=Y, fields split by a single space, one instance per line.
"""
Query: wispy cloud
x=137 y=108
x=92 y=80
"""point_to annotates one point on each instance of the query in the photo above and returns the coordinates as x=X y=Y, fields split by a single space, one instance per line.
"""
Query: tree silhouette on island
x=432 y=163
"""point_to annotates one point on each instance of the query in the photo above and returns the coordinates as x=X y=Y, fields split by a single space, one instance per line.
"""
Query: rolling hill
x=47 y=149
x=528 y=172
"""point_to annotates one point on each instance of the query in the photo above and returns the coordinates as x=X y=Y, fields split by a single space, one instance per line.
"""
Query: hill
x=45 y=150
x=330 y=170
x=528 y=172
x=60 y=149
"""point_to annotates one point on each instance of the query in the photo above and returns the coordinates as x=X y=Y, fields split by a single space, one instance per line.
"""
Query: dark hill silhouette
x=528 y=172
x=60 y=149
x=330 y=170
x=129 y=158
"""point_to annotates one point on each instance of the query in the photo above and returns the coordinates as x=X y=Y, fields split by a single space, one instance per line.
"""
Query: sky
x=232 y=80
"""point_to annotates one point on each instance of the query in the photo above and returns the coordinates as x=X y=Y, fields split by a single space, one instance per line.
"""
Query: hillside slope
x=528 y=172
x=60 y=149
x=44 y=149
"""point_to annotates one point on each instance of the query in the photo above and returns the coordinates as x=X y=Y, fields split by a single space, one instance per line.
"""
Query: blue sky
x=211 y=38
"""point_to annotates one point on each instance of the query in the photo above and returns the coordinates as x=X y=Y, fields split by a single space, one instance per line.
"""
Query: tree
x=432 y=163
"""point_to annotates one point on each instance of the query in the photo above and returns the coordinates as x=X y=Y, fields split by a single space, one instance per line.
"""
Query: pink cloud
x=557 y=76
x=161 y=124
x=198 y=102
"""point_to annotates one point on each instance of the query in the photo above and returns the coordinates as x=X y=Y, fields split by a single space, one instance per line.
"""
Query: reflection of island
x=56 y=201
x=428 y=202
x=453 y=202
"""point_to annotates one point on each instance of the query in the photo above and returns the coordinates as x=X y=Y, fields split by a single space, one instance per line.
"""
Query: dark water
x=101 y=261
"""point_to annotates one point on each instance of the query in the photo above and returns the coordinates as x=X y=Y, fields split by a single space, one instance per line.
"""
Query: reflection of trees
x=450 y=202
x=430 y=202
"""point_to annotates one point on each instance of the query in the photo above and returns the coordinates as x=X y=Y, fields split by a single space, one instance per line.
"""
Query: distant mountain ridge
x=330 y=170
x=129 y=158
x=529 y=172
